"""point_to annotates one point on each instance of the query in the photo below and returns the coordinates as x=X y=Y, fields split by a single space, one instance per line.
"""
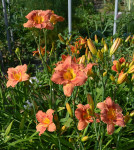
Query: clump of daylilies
x=74 y=70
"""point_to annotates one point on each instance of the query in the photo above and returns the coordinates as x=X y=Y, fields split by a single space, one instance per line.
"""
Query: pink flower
x=111 y=114
x=42 y=19
x=46 y=121
x=16 y=75
x=85 y=115
x=70 y=74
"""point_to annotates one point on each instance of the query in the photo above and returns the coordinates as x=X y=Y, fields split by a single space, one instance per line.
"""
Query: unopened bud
x=112 y=78
x=89 y=56
x=131 y=69
x=91 y=46
x=105 y=73
x=90 y=102
x=128 y=38
x=115 y=46
x=131 y=64
x=126 y=118
x=82 y=59
x=61 y=38
x=96 y=39
x=132 y=113
x=105 y=48
x=122 y=78
x=86 y=52
x=100 y=55
x=84 y=139
x=102 y=41
x=118 y=66
x=63 y=128
x=17 y=51
x=69 y=110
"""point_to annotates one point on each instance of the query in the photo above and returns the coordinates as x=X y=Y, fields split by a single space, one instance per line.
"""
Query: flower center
x=111 y=114
x=53 y=19
x=69 y=74
x=46 y=122
x=38 y=19
x=86 y=115
x=17 y=76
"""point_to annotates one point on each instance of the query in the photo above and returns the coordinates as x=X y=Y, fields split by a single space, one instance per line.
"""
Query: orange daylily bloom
x=111 y=114
x=70 y=74
x=42 y=50
x=42 y=19
x=17 y=74
x=117 y=63
x=74 y=49
x=84 y=114
x=45 y=121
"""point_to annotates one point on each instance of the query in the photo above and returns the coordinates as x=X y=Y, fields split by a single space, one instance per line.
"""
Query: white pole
x=6 y=24
x=69 y=16
x=115 y=16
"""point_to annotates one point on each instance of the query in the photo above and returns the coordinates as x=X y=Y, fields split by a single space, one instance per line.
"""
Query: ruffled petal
x=109 y=102
x=68 y=89
x=40 y=115
x=82 y=125
x=51 y=127
x=101 y=105
x=110 y=128
x=40 y=127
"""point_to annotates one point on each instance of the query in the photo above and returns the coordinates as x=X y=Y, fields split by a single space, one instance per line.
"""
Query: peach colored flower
x=17 y=74
x=46 y=121
x=111 y=114
x=42 y=19
x=84 y=114
x=70 y=74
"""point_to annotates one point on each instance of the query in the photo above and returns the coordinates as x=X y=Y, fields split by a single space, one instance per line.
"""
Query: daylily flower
x=42 y=50
x=46 y=121
x=117 y=64
x=42 y=19
x=70 y=74
x=111 y=114
x=84 y=114
x=74 y=49
x=17 y=74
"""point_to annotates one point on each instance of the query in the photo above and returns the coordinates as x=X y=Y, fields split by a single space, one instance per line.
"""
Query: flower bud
x=112 y=78
x=122 y=78
x=61 y=38
x=82 y=60
x=86 y=52
x=100 y=55
x=132 y=114
x=105 y=48
x=102 y=41
x=132 y=79
x=17 y=51
x=91 y=46
x=131 y=64
x=96 y=39
x=131 y=69
x=63 y=128
x=128 y=38
x=126 y=118
x=91 y=103
x=115 y=46
x=69 y=110
x=118 y=66
x=105 y=73
x=84 y=139
x=89 y=56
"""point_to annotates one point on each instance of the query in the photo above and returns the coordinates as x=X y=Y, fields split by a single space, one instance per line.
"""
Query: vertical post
x=69 y=16
x=6 y=24
x=115 y=16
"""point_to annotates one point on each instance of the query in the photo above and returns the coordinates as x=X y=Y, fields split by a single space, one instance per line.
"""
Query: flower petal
x=110 y=128
x=82 y=125
x=68 y=89
x=40 y=127
x=51 y=127
x=109 y=102
x=40 y=115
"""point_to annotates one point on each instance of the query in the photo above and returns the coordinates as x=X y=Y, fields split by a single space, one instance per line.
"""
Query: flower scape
x=81 y=98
